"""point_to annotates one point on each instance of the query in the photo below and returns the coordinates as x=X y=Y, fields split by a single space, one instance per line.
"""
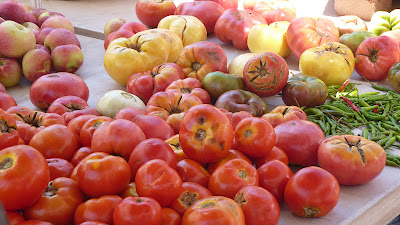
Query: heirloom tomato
x=90 y=127
x=274 y=12
x=192 y=171
x=97 y=209
x=217 y=83
x=137 y=210
x=394 y=76
x=8 y=130
x=176 y=146
x=353 y=40
x=308 y=32
x=14 y=217
x=226 y=4
x=80 y=154
x=191 y=192
x=241 y=100
x=275 y=153
x=170 y=217
x=95 y=155
x=59 y=168
x=129 y=113
x=281 y=114
x=70 y=107
x=236 y=66
x=130 y=190
x=233 y=154
x=34 y=222
x=76 y=124
x=190 y=86
x=206 y=134
x=150 y=12
x=353 y=160
x=350 y=24
x=154 y=126
x=266 y=74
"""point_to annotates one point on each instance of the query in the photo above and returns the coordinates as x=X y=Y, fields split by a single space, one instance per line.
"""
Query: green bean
x=384 y=140
x=379 y=88
x=389 y=126
x=380 y=128
x=389 y=143
x=338 y=110
x=391 y=163
x=392 y=158
x=369 y=94
x=369 y=108
x=362 y=102
x=370 y=116
x=365 y=133
x=377 y=137
x=374 y=98
x=314 y=111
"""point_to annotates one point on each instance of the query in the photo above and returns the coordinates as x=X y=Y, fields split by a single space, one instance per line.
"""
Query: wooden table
x=377 y=202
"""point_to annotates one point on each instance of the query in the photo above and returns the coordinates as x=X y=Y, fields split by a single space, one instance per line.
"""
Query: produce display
x=190 y=139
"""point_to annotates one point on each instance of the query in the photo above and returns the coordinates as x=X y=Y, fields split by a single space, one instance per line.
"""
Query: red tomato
x=197 y=9
x=284 y=113
x=23 y=178
x=234 y=25
x=275 y=153
x=375 y=56
x=192 y=171
x=155 y=179
x=90 y=127
x=137 y=210
x=6 y=101
x=191 y=192
x=145 y=84
x=206 y=134
x=151 y=149
x=154 y=126
x=307 y=32
x=103 y=176
x=49 y=87
x=34 y=222
x=231 y=176
x=93 y=223
x=273 y=177
x=8 y=131
x=14 y=217
x=226 y=4
x=55 y=141
x=175 y=121
x=353 y=160
x=129 y=113
x=239 y=116
x=70 y=107
x=254 y=137
x=299 y=139
x=233 y=154
x=312 y=192
x=150 y=12
x=170 y=217
x=279 y=11
x=107 y=138
x=176 y=146
x=76 y=124
x=258 y=205
x=130 y=191
x=97 y=209
x=192 y=86
x=80 y=154
x=59 y=168
x=57 y=205
x=214 y=210
x=95 y=155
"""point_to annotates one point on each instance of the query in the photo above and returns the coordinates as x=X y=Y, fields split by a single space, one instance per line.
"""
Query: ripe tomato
x=80 y=154
x=353 y=160
x=93 y=223
x=14 y=217
x=258 y=205
x=8 y=130
x=239 y=116
x=59 y=168
x=103 y=176
x=34 y=222
x=284 y=113
x=55 y=141
x=275 y=153
x=90 y=127
x=137 y=210
x=233 y=154
x=129 y=113
x=266 y=74
x=23 y=178
x=300 y=140
x=97 y=209
x=231 y=176
x=130 y=191
x=155 y=179
x=214 y=210
x=191 y=192
x=312 y=192
x=170 y=217
x=206 y=134
x=254 y=137
x=76 y=124
x=70 y=107
x=273 y=177
x=154 y=127
x=95 y=155
x=150 y=12
x=173 y=142
x=149 y=149
x=192 y=171
x=192 y=86
x=58 y=203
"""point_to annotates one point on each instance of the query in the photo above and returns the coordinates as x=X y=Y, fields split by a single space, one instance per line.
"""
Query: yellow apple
x=237 y=64
x=269 y=38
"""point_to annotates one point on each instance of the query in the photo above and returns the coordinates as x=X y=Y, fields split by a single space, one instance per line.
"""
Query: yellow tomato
x=236 y=66
x=173 y=142
x=331 y=62
x=269 y=38
x=139 y=53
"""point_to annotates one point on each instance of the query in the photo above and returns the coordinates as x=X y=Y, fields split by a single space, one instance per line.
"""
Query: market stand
x=377 y=202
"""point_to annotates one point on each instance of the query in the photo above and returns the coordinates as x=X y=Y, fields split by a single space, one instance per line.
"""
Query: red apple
x=150 y=12
x=10 y=72
x=43 y=34
x=113 y=25
x=60 y=36
x=37 y=12
x=67 y=58
x=2 y=88
x=12 y=10
x=36 y=63
x=133 y=27
x=29 y=18
x=45 y=15
x=16 y=40
x=33 y=27
x=58 y=22
x=117 y=34
x=43 y=48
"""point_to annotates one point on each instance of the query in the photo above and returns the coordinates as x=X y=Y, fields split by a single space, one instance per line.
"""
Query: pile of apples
x=35 y=43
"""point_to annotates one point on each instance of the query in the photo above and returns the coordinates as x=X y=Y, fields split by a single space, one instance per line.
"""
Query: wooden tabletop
x=377 y=202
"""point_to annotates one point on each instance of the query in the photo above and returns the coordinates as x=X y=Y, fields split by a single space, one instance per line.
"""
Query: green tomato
x=353 y=40
x=383 y=21
x=217 y=83
x=394 y=76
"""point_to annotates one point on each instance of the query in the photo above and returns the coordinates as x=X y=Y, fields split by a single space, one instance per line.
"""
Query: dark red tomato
x=231 y=176
x=170 y=217
x=24 y=176
x=59 y=168
x=56 y=141
x=8 y=131
x=58 y=203
x=80 y=154
x=151 y=149
x=6 y=101
x=90 y=127
x=137 y=210
x=155 y=179
x=192 y=171
x=300 y=140
x=273 y=177
x=275 y=153
x=312 y=192
x=258 y=205
x=76 y=124
x=14 y=217
x=70 y=107
x=233 y=154
x=97 y=209
x=191 y=192
x=34 y=222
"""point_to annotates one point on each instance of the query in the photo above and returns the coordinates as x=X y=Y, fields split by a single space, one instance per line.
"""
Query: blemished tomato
x=80 y=154
x=97 y=209
x=170 y=217
x=214 y=210
x=258 y=205
x=88 y=128
x=137 y=210
x=59 y=168
x=58 y=203
x=300 y=140
x=191 y=192
x=192 y=86
x=192 y=171
x=149 y=149
x=233 y=154
x=353 y=160
x=24 y=176
x=312 y=192
x=155 y=179
x=284 y=113
x=275 y=153
x=254 y=137
x=8 y=131
x=14 y=217
x=206 y=134
x=56 y=141
x=273 y=177
x=95 y=155
x=176 y=146
x=231 y=176
x=103 y=176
